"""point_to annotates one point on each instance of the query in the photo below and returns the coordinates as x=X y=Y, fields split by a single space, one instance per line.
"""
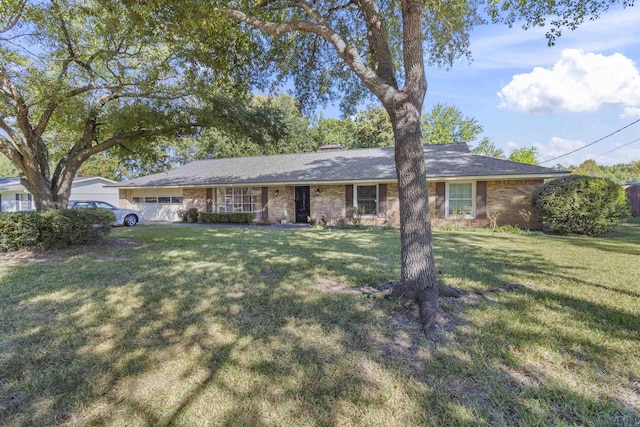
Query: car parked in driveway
x=126 y=217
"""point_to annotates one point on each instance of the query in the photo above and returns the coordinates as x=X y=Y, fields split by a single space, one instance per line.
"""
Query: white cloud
x=557 y=146
x=512 y=145
x=579 y=81
x=631 y=112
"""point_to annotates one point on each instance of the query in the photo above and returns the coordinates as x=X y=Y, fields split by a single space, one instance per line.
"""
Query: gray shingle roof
x=442 y=161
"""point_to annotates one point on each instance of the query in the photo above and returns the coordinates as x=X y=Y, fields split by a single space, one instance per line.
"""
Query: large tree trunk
x=49 y=193
x=418 y=274
x=418 y=280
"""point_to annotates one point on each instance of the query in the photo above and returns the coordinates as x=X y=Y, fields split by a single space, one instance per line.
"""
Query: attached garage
x=156 y=205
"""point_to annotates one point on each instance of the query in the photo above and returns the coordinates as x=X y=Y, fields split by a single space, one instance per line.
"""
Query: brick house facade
x=331 y=187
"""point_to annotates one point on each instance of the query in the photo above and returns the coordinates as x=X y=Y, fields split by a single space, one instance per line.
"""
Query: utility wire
x=617 y=148
x=591 y=143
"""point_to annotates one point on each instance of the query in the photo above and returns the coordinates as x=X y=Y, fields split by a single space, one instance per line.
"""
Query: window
x=104 y=205
x=460 y=200
x=238 y=199
x=367 y=199
x=24 y=202
x=156 y=199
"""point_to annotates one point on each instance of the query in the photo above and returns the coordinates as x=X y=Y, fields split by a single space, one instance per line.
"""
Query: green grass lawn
x=172 y=325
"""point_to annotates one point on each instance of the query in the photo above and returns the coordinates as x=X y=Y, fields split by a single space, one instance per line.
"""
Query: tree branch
x=379 y=49
x=14 y=20
x=347 y=52
x=9 y=149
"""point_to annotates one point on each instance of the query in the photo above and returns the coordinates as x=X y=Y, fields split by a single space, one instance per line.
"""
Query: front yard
x=173 y=325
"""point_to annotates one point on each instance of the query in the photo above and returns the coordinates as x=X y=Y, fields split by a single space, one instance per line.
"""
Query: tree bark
x=418 y=279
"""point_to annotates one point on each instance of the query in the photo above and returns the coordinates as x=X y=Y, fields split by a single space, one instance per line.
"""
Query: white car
x=126 y=217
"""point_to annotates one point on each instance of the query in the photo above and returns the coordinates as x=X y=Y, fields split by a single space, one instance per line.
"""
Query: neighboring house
x=14 y=197
x=328 y=186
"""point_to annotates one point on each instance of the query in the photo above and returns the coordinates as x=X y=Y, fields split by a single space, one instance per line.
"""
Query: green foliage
x=191 y=215
x=487 y=148
x=524 y=155
x=226 y=217
x=373 y=129
x=336 y=132
x=6 y=168
x=554 y=15
x=621 y=173
x=97 y=82
x=583 y=205
x=54 y=229
x=446 y=124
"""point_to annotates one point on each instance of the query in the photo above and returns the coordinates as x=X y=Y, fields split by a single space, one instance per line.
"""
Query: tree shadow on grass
x=250 y=334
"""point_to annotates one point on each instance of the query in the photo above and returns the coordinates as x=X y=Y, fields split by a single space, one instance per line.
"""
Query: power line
x=591 y=143
x=617 y=148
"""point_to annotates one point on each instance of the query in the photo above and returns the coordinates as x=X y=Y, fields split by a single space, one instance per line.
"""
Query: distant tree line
x=622 y=173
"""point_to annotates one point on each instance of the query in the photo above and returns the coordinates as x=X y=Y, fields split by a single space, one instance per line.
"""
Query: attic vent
x=331 y=147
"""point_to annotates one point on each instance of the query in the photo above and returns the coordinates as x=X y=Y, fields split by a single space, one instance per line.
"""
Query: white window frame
x=355 y=198
x=473 y=200
x=221 y=202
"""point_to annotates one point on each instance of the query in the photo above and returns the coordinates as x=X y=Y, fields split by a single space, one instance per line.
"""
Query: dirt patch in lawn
x=108 y=249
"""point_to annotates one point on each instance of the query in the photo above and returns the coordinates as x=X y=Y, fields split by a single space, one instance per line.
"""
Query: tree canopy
x=78 y=79
x=621 y=173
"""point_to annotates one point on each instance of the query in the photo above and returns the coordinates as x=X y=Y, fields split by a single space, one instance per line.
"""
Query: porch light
x=276 y=193
x=317 y=192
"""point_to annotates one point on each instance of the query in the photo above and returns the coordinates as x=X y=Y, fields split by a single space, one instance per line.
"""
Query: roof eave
x=349 y=181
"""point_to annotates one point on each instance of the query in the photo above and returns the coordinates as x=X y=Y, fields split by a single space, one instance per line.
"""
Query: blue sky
x=558 y=98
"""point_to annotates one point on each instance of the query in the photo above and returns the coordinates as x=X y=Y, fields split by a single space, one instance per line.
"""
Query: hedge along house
x=330 y=186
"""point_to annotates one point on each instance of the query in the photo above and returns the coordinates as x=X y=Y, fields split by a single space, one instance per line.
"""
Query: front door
x=303 y=209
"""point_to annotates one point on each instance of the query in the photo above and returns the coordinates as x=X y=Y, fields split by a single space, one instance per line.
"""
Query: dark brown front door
x=302 y=204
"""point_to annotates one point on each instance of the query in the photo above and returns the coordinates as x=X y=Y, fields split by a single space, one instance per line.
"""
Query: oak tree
x=76 y=79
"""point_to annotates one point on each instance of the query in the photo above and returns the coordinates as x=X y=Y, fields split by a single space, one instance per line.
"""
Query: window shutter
x=440 y=202
x=265 y=203
x=382 y=199
x=481 y=199
x=17 y=197
x=348 y=200
x=209 y=200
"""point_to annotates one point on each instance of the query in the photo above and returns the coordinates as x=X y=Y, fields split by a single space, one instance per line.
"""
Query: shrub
x=54 y=229
x=578 y=204
x=226 y=217
x=191 y=215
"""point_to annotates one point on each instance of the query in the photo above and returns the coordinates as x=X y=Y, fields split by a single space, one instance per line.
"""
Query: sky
x=557 y=99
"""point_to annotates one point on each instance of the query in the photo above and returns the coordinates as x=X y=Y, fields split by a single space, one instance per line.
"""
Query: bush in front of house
x=188 y=215
x=584 y=205
x=226 y=217
x=54 y=229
